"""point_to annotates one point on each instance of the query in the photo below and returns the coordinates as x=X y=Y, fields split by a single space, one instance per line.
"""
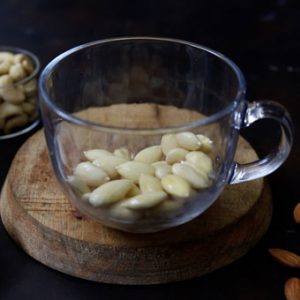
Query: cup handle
x=262 y=167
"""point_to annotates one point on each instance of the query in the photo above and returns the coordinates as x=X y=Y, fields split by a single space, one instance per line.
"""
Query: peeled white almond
x=19 y=57
x=93 y=154
x=85 y=197
x=5 y=80
x=110 y=192
x=168 y=207
x=196 y=179
x=176 y=185
x=176 y=155
x=145 y=201
x=120 y=212
x=122 y=152
x=92 y=175
x=109 y=164
x=149 y=183
x=206 y=143
x=168 y=142
x=13 y=94
x=200 y=160
x=133 y=169
x=5 y=66
x=195 y=167
x=135 y=190
x=149 y=155
x=30 y=88
x=162 y=169
x=16 y=72
x=6 y=55
x=188 y=140
x=27 y=65
x=79 y=185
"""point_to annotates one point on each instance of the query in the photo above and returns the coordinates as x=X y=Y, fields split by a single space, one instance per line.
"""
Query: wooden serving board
x=44 y=224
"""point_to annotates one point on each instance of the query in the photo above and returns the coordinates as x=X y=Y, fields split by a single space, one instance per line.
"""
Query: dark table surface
x=262 y=37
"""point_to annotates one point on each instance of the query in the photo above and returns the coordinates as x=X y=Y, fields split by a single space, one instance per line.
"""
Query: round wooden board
x=42 y=221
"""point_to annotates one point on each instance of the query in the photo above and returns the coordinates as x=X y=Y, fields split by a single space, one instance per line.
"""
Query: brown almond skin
x=297 y=213
x=286 y=257
x=292 y=289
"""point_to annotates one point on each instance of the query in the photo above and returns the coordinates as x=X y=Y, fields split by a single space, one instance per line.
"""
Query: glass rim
x=185 y=126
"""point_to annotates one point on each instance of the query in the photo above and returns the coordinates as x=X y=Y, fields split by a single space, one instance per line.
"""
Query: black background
x=262 y=37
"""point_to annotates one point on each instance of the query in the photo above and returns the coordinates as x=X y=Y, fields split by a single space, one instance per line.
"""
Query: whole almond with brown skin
x=286 y=257
x=292 y=289
x=297 y=213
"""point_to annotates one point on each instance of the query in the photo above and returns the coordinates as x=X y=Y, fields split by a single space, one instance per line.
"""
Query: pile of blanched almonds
x=17 y=95
x=156 y=181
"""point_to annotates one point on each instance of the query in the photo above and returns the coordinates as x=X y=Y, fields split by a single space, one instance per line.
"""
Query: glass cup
x=19 y=69
x=125 y=95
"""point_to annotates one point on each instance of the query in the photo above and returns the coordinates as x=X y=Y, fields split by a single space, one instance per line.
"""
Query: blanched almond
x=27 y=65
x=145 y=201
x=5 y=80
x=196 y=179
x=168 y=142
x=197 y=169
x=30 y=88
x=28 y=108
x=176 y=155
x=13 y=94
x=85 y=197
x=122 y=152
x=8 y=110
x=162 y=169
x=110 y=192
x=6 y=55
x=200 y=160
x=14 y=122
x=149 y=183
x=109 y=164
x=206 y=143
x=188 y=140
x=120 y=212
x=176 y=185
x=5 y=66
x=135 y=190
x=149 y=155
x=168 y=207
x=133 y=169
x=93 y=154
x=92 y=175
x=16 y=72
x=19 y=57
x=79 y=185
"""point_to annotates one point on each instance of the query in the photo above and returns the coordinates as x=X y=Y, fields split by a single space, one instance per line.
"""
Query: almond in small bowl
x=19 y=69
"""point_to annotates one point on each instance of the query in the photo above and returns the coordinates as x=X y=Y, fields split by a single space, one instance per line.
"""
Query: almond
x=149 y=155
x=145 y=201
x=188 y=140
x=292 y=289
x=297 y=213
x=285 y=257
x=110 y=192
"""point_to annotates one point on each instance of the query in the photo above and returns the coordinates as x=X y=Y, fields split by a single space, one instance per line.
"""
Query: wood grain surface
x=42 y=221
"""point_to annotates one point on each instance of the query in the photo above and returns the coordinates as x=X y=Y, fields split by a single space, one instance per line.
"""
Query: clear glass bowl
x=132 y=93
x=19 y=109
